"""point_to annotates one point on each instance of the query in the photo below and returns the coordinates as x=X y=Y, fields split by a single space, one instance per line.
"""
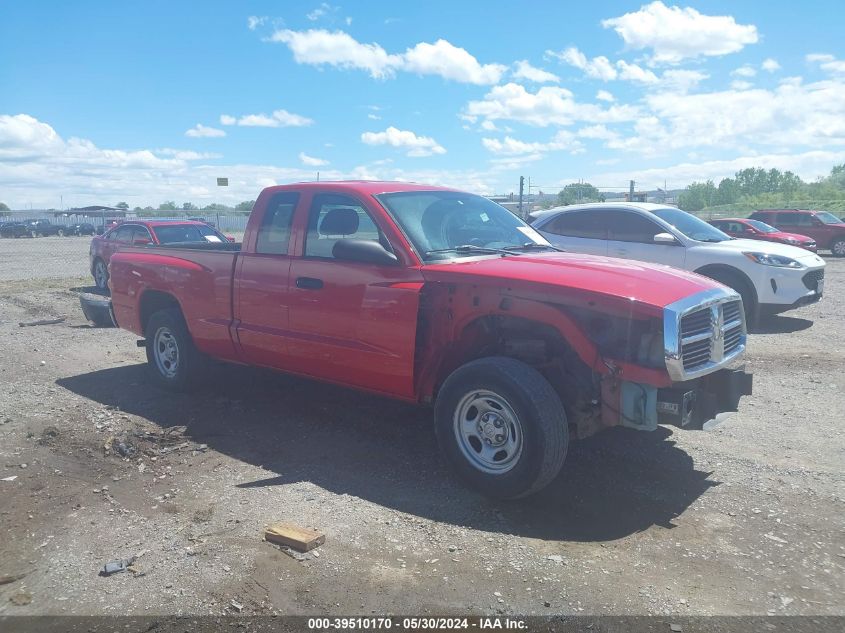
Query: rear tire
x=173 y=361
x=60 y=232
x=838 y=248
x=502 y=427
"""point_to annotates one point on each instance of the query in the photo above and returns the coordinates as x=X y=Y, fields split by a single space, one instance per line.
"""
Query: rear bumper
x=694 y=405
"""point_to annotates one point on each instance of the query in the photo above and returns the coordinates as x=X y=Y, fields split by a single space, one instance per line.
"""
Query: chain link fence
x=46 y=245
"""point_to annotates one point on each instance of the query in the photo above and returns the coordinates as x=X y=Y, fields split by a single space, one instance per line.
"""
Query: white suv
x=770 y=277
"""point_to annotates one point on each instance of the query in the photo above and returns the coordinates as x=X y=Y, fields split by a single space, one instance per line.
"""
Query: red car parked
x=143 y=233
x=824 y=227
x=756 y=230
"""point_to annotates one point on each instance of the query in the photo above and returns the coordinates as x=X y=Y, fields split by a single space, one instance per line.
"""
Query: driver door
x=352 y=322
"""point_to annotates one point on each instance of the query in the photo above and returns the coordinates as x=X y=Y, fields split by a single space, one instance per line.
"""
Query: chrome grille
x=703 y=333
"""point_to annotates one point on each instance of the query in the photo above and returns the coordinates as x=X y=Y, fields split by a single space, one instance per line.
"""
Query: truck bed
x=201 y=278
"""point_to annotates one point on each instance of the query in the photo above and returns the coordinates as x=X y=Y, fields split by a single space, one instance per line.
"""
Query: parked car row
x=771 y=277
x=44 y=228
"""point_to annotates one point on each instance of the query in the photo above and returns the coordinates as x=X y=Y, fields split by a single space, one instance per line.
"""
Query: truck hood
x=772 y=248
x=650 y=284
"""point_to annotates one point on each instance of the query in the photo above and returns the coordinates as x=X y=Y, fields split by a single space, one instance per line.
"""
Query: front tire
x=502 y=427
x=838 y=248
x=172 y=359
x=101 y=274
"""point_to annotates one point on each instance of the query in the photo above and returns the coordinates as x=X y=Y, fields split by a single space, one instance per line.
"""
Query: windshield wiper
x=470 y=248
x=532 y=246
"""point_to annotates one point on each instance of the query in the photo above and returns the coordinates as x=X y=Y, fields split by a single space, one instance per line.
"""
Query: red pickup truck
x=441 y=297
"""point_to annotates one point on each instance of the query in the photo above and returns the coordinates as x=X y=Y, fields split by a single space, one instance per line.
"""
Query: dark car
x=44 y=228
x=14 y=229
x=80 y=228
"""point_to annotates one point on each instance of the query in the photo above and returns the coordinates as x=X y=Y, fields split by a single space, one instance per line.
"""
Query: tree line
x=170 y=205
x=756 y=186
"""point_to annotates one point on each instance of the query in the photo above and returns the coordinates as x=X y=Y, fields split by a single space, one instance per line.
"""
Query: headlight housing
x=779 y=261
x=791 y=240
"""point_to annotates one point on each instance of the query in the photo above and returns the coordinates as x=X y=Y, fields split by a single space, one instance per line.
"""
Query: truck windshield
x=691 y=226
x=450 y=224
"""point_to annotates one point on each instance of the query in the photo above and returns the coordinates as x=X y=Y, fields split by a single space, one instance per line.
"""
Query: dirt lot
x=745 y=519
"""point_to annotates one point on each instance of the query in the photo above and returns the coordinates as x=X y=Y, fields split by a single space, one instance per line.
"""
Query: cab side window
x=627 y=226
x=274 y=232
x=333 y=218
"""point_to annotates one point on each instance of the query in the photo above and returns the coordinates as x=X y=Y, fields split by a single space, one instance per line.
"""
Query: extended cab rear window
x=274 y=232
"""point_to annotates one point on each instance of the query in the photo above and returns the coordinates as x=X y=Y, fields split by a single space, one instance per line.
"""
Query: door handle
x=309 y=283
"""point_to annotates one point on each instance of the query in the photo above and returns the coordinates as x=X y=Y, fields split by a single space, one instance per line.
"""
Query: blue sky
x=145 y=102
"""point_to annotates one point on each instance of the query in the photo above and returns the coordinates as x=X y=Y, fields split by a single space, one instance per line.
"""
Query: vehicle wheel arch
x=536 y=343
x=718 y=272
x=154 y=300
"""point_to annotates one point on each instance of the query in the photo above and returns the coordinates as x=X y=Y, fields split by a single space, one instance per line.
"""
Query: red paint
x=362 y=327
x=751 y=232
x=105 y=245
x=824 y=234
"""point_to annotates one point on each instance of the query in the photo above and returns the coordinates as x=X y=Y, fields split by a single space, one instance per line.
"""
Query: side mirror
x=364 y=251
x=665 y=238
x=142 y=241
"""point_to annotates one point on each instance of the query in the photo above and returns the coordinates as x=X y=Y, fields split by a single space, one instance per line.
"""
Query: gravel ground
x=744 y=519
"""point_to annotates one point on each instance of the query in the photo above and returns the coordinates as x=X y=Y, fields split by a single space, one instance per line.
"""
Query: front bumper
x=693 y=405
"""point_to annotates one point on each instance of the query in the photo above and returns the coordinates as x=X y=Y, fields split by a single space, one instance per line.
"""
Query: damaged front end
x=702 y=341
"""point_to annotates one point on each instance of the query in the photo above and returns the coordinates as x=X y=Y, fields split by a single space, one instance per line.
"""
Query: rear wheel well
x=154 y=300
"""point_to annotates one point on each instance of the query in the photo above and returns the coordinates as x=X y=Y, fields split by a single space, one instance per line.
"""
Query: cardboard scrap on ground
x=294 y=536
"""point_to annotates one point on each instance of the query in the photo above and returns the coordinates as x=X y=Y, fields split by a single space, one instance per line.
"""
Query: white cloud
x=563 y=140
x=550 y=105
x=319 y=47
x=675 y=34
x=744 y=71
x=602 y=68
x=604 y=95
x=202 y=131
x=597 y=132
x=597 y=67
x=373 y=117
x=633 y=72
x=450 y=62
x=278 y=118
x=791 y=115
x=770 y=65
x=405 y=139
x=525 y=70
x=827 y=62
x=319 y=12
x=39 y=165
x=683 y=80
x=254 y=21
x=741 y=85
x=305 y=159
